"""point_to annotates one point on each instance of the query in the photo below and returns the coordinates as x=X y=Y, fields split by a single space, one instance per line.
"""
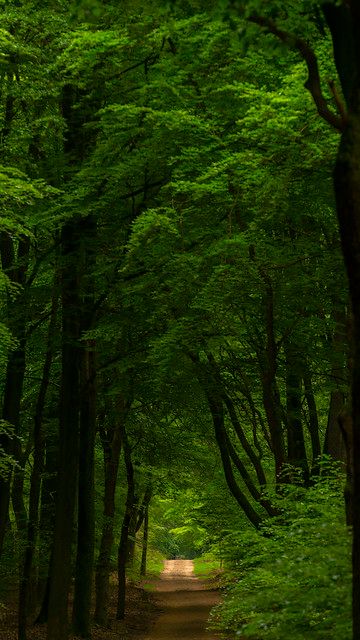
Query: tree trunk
x=37 y=470
x=217 y=413
x=111 y=441
x=125 y=529
x=347 y=190
x=334 y=445
x=270 y=391
x=313 y=425
x=133 y=529
x=17 y=496
x=86 y=510
x=16 y=269
x=86 y=490
x=295 y=434
x=47 y=521
x=145 y=542
x=69 y=436
x=254 y=458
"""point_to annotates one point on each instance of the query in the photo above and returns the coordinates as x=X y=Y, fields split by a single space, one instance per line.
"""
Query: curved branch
x=217 y=413
x=313 y=83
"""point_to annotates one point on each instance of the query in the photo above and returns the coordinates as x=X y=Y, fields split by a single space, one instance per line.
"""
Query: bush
x=292 y=580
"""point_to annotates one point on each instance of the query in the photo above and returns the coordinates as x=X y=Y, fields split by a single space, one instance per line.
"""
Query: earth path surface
x=185 y=604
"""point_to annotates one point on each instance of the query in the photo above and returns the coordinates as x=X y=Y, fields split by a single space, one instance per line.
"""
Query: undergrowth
x=292 y=579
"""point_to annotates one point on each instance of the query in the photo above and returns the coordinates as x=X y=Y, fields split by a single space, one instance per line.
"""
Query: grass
x=206 y=566
x=155 y=565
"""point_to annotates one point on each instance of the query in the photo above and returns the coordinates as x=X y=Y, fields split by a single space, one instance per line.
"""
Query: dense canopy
x=180 y=309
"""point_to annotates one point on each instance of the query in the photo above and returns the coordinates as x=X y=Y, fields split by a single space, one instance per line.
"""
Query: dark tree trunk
x=123 y=549
x=17 y=496
x=347 y=188
x=270 y=391
x=69 y=436
x=295 y=434
x=112 y=442
x=36 y=474
x=253 y=457
x=347 y=191
x=16 y=269
x=86 y=510
x=139 y=515
x=334 y=445
x=86 y=491
x=217 y=413
x=313 y=425
x=145 y=542
x=47 y=515
x=252 y=488
x=132 y=533
x=47 y=521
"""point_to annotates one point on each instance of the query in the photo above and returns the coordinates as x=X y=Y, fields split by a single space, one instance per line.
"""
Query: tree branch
x=313 y=83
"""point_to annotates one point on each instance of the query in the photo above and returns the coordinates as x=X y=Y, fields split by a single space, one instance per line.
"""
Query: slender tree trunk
x=17 y=496
x=37 y=470
x=86 y=511
x=253 y=457
x=86 y=491
x=130 y=505
x=270 y=391
x=133 y=529
x=145 y=542
x=295 y=434
x=47 y=521
x=139 y=515
x=334 y=445
x=16 y=270
x=313 y=421
x=252 y=488
x=112 y=442
x=69 y=436
x=217 y=413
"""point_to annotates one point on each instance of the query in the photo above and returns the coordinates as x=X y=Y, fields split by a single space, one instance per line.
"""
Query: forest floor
x=177 y=605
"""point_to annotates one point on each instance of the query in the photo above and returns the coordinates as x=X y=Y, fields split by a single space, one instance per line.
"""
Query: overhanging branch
x=312 y=84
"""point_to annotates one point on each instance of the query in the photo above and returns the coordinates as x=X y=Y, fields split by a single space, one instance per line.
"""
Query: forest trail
x=185 y=604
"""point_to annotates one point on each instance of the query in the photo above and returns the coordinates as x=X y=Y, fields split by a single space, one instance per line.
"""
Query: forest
x=180 y=313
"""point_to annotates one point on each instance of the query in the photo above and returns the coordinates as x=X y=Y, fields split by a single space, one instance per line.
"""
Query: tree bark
x=112 y=442
x=347 y=189
x=37 y=470
x=86 y=496
x=145 y=542
x=295 y=435
x=313 y=425
x=217 y=413
x=16 y=269
x=270 y=391
x=347 y=192
x=86 y=490
x=47 y=519
x=69 y=436
x=138 y=521
x=125 y=529
x=334 y=445
x=255 y=460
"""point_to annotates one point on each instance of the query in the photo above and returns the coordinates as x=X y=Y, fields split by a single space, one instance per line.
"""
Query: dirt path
x=185 y=604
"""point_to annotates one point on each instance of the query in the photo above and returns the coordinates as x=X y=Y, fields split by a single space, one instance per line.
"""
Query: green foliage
x=206 y=169
x=207 y=565
x=294 y=579
x=176 y=532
